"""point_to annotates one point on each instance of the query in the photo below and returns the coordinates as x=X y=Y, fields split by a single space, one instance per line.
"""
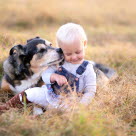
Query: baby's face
x=74 y=53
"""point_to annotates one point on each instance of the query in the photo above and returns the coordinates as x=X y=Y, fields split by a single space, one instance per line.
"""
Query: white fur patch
x=25 y=84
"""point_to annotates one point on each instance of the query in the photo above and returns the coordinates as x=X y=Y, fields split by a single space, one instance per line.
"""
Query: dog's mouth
x=57 y=61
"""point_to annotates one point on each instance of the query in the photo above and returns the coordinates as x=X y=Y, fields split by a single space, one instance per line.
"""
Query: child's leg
x=52 y=98
x=33 y=95
x=37 y=95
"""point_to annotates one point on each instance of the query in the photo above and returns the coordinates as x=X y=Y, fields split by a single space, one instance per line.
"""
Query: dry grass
x=32 y=12
x=110 y=26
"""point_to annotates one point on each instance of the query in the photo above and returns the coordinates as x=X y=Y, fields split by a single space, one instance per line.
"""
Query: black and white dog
x=23 y=67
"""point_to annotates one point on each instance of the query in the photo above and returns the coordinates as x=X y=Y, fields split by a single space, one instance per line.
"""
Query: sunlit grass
x=112 y=112
x=111 y=30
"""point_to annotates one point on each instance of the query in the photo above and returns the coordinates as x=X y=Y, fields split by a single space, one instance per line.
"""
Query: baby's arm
x=49 y=76
x=90 y=85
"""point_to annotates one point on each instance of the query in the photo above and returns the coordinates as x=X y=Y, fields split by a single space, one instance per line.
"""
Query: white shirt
x=87 y=81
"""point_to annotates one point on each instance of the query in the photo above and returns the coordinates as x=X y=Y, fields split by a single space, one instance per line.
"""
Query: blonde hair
x=67 y=33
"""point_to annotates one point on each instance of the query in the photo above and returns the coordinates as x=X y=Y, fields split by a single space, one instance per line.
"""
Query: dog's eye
x=22 y=57
x=42 y=50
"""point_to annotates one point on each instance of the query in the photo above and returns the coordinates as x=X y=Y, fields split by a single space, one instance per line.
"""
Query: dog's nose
x=59 y=50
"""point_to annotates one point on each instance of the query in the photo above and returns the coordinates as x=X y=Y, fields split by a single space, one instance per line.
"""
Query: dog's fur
x=104 y=74
x=23 y=67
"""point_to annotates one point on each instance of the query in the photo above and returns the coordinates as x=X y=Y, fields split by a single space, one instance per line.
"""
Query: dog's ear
x=15 y=49
x=33 y=39
x=29 y=40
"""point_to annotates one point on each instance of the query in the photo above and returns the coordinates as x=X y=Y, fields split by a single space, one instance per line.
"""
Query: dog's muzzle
x=59 y=50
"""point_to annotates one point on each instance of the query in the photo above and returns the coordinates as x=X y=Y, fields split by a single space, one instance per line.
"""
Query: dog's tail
x=108 y=72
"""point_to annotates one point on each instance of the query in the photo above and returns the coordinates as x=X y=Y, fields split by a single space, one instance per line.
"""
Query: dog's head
x=37 y=53
x=40 y=53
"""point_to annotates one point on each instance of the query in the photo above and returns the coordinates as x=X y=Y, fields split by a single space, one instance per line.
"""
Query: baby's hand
x=61 y=80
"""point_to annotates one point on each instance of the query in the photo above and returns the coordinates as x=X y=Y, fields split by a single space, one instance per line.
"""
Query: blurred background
x=110 y=25
x=103 y=20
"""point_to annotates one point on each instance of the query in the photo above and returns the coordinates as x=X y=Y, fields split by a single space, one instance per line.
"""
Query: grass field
x=111 y=30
